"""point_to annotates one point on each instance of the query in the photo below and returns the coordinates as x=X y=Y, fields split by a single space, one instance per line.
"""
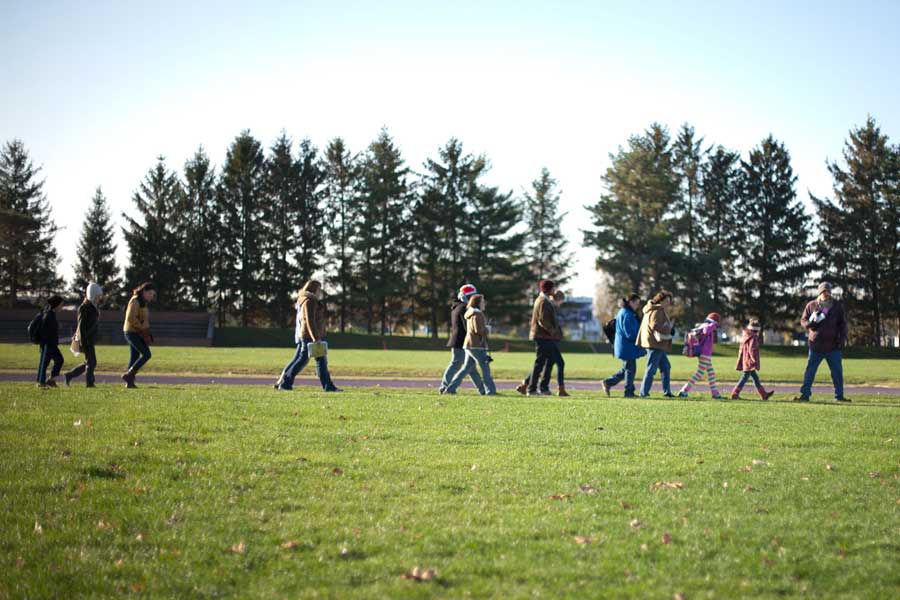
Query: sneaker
x=546 y=392
x=682 y=394
x=605 y=387
x=800 y=398
x=522 y=389
x=51 y=383
x=843 y=399
x=671 y=395
x=92 y=385
x=718 y=397
x=630 y=396
x=282 y=388
x=67 y=378
x=532 y=393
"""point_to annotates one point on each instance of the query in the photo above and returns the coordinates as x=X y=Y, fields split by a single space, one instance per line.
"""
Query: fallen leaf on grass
x=77 y=423
x=725 y=484
x=172 y=520
x=239 y=548
x=679 y=596
x=759 y=463
x=667 y=538
x=746 y=469
x=830 y=467
x=587 y=489
x=290 y=545
x=119 y=563
x=345 y=552
x=337 y=471
x=644 y=547
x=20 y=562
x=874 y=474
x=625 y=505
x=419 y=574
x=137 y=587
x=581 y=540
x=38 y=529
x=672 y=485
x=635 y=524
x=749 y=488
x=139 y=537
x=560 y=496
x=342 y=418
x=103 y=525
x=804 y=479
x=66 y=453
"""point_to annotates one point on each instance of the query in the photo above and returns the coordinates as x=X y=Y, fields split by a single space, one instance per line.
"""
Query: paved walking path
x=355 y=382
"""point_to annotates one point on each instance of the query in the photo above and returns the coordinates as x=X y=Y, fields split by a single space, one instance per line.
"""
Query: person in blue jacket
x=626 y=348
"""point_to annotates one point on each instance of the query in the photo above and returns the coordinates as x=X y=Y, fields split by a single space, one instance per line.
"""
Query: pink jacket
x=709 y=337
x=748 y=355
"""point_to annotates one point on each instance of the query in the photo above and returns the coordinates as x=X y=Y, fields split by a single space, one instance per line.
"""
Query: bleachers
x=169 y=328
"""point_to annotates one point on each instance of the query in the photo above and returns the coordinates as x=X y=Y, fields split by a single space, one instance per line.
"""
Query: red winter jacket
x=748 y=355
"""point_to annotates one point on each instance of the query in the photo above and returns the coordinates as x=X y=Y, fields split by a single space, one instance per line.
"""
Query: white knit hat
x=93 y=292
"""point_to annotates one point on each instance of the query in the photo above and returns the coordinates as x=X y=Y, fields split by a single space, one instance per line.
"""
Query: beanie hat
x=824 y=286
x=714 y=316
x=93 y=292
x=466 y=291
x=545 y=285
x=753 y=325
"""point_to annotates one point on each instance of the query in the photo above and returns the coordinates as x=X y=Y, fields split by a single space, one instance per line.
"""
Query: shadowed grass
x=193 y=492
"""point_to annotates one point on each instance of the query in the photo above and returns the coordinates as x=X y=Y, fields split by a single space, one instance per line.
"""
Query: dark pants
x=89 y=364
x=49 y=352
x=745 y=376
x=140 y=351
x=546 y=351
x=300 y=360
x=545 y=377
x=627 y=372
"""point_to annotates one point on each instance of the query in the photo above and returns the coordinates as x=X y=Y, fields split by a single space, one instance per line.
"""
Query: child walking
x=748 y=362
x=704 y=363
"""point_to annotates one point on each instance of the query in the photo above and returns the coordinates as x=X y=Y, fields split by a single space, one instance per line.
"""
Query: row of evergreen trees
x=730 y=234
x=393 y=245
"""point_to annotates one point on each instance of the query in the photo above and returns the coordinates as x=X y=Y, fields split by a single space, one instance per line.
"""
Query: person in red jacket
x=826 y=324
x=748 y=362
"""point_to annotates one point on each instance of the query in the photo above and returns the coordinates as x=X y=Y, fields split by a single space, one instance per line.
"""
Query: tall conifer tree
x=545 y=245
x=198 y=229
x=341 y=221
x=96 y=255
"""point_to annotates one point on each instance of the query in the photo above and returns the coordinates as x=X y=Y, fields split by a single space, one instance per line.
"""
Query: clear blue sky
x=97 y=90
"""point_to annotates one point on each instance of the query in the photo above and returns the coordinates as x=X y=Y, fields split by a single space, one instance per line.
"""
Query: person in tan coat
x=309 y=328
x=655 y=334
x=546 y=332
x=476 y=347
x=137 y=330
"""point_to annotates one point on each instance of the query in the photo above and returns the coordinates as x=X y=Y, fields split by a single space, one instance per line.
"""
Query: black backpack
x=36 y=329
x=609 y=328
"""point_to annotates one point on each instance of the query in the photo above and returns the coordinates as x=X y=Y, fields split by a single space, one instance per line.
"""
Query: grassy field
x=210 y=492
x=431 y=364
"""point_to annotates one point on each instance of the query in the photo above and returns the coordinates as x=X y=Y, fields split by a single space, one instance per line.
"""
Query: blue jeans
x=745 y=377
x=140 y=351
x=657 y=359
x=49 y=352
x=475 y=356
x=457 y=358
x=627 y=372
x=833 y=359
x=300 y=360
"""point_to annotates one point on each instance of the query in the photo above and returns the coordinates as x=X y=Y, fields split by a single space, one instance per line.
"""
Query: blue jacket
x=627 y=326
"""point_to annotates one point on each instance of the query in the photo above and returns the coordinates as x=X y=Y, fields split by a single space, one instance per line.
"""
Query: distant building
x=578 y=320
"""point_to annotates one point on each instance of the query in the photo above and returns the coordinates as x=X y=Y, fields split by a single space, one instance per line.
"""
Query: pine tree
x=383 y=243
x=280 y=215
x=28 y=260
x=632 y=222
x=774 y=248
x=721 y=224
x=310 y=246
x=857 y=242
x=545 y=245
x=341 y=222
x=241 y=194
x=152 y=240
x=687 y=161
x=198 y=229
x=96 y=257
x=431 y=287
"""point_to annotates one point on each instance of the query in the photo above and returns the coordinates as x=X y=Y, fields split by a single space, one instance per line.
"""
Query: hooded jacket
x=457 y=325
x=544 y=321
x=656 y=328
x=50 y=328
x=476 y=329
x=627 y=326
x=748 y=353
x=310 y=323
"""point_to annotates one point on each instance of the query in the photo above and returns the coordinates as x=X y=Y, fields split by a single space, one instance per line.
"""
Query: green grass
x=147 y=492
x=431 y=364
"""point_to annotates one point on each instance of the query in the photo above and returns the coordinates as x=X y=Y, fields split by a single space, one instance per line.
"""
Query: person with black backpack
x=44 y=330
x=87 y=330
x=626 y=326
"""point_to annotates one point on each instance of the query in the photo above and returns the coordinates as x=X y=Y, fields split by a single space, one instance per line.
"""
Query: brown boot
x=763 y=394
x=128 y=378
x=561 y=391
x=735 y=394
x=522 y=389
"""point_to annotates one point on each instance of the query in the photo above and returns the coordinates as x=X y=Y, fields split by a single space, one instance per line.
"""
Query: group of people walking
x=136 y=329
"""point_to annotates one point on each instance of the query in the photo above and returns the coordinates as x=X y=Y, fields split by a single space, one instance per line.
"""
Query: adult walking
x=457 y=338
x=655 y=335
x=625 y=347
x=49 y=340
x=310 y=327
x=544 y=386
x=87 y=329
x=546 y=333
x=475 y=346
x=137 y=330
x=826 y=324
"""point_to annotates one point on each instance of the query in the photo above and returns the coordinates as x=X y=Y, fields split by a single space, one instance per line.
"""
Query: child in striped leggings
x=704 y=363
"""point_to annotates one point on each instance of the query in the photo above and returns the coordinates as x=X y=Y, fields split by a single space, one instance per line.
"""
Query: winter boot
x=763 y=394
x=561 y=391
x=735 y=394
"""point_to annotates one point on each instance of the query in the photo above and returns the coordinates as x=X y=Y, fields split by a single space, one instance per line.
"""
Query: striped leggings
x=704 y=366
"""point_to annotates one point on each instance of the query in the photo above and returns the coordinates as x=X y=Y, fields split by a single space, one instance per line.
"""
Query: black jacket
x=457 y=325
x=88 y=323
x=50 y=328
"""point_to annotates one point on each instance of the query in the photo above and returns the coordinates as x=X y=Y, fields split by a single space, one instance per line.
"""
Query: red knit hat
x=545 y=285
x=714 y=317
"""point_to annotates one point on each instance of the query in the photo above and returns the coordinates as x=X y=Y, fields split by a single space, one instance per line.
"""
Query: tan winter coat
x=544 y=322
x=656 y=328
x=311 y=318
x=476 y=329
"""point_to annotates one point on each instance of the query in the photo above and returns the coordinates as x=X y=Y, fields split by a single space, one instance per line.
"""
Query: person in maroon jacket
x=826 y=324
